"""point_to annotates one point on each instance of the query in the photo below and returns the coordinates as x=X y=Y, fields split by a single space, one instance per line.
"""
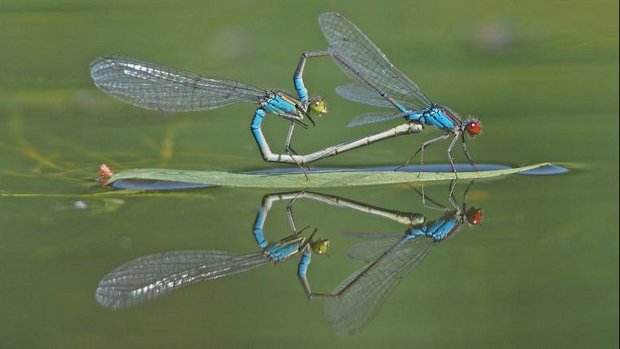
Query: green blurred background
x=541 y=271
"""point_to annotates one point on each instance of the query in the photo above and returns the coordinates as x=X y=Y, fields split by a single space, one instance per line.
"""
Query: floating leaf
x=315 y=179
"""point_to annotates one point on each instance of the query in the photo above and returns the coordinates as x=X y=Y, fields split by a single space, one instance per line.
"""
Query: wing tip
x=326 y=16
x=100 y=65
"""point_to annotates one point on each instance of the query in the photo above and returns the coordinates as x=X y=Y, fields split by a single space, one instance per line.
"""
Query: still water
x=537 y=267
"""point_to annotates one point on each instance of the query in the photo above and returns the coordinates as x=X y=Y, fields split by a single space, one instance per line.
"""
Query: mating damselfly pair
x=376 y=82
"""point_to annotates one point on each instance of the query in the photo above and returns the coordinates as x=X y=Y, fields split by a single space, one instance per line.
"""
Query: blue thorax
x=279 y=252
x=434 y=115
x=437 y=230
x=279 y=105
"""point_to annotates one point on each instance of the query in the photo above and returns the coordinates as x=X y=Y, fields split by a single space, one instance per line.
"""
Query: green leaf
x=314 y=180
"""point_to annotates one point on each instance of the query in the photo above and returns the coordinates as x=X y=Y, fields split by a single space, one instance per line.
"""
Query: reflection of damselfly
x=349 y=307
x=148 y=277
x=156 y=87
x=379 y=83
x=389 y=257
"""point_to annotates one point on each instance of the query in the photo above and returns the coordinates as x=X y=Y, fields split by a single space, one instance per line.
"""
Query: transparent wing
x=353 y=46
x=148 y=277
x=370 y=250
x=362 y=94
x=371 y=118
x=364 y=291
x=371 y=235
x=151 y=86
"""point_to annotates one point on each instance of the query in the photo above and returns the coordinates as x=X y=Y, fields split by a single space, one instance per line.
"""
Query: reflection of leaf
x=314 y=180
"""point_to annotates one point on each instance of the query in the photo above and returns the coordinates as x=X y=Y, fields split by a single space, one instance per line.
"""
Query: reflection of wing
x=364 y=57
x=152 y=86
x=362 y=293
x=370 y=250
x=151 y=276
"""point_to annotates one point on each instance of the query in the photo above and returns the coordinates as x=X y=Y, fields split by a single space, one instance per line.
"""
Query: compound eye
x=319 y=105
x=474 y=216
x=473 y=128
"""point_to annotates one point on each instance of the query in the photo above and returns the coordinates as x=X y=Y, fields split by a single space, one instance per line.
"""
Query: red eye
x=474 y=216
x=473 y=128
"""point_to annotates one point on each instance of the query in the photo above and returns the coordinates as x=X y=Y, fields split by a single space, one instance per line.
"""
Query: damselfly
x=378 y=82
x=155 y=87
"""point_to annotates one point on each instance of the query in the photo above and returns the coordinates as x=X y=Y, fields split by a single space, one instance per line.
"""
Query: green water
x=540 y=271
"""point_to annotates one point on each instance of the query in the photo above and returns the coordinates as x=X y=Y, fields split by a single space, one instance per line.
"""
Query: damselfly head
x=318 y=105
x=473 y=127
x=320 y=246
x=474 y=216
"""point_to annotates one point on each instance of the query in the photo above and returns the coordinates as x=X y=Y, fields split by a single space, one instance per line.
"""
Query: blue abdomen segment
x=257 y=120
x=304 y=263
x=302 y=91
x=279 y=105
x=440 y=229
x=259 y=236
x=433 y=117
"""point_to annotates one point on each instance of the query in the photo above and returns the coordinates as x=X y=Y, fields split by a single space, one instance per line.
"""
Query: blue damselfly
x=378 y=82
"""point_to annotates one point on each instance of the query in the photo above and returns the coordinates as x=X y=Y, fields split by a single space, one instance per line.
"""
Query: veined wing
x=148 y=277
x=363 y=293
x=363 y=57
x=362 y=94
x=375 y=244
x=372 y=117
x=152 y=86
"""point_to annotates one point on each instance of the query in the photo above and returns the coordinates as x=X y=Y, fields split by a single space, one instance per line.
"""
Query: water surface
x=541 y=269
